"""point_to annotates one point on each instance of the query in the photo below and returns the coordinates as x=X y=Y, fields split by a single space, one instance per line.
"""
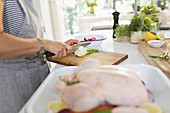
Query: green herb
x=102 y=111
x=73 y=82
x=137 y=23
x=91 y=3
x=141 y=22
x=163 y=56
x=154 y=18
x=89 y=51
x=123 y=30
x=148 y=22
x=149 y=9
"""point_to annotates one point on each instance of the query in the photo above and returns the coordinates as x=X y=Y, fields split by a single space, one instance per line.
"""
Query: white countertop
x=134 y=55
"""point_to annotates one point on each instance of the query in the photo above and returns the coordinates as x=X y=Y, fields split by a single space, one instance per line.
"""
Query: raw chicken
x=60 y=85
x=81 y=97
x=117 y=86
x=91 y=63
x=103 y=84
x=129 y=110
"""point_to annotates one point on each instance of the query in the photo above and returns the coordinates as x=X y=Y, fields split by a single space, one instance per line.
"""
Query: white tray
x=154 y=79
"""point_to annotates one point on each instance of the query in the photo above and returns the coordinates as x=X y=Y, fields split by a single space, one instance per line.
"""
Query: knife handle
x=48 y=54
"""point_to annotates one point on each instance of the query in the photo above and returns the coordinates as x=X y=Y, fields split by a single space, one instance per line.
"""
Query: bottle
x=116 y=21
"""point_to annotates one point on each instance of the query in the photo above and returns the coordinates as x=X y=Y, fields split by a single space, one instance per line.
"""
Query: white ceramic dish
x=156 y=43
x=153 y=77
x=94 y=43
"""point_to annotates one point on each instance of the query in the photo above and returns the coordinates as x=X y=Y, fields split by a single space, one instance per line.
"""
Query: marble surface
x=134 y=55
x=111 y=45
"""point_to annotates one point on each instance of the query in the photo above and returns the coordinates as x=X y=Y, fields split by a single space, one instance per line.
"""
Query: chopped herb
x=89 y=51
x=103 y=111
x=72 y=82
x=163 y=56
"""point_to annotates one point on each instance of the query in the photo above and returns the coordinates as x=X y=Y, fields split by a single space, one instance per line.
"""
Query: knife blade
x=76 y=46
x=73 y=48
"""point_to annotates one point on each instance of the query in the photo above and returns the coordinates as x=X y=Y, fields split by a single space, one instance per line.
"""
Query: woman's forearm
x=11 y=46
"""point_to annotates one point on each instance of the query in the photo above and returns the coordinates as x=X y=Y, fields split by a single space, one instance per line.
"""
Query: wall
x=57 y=16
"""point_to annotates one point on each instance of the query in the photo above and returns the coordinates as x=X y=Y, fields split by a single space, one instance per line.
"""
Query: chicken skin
x=100 y=85
x=81 y=97
x=91 y=63
x=118 y=87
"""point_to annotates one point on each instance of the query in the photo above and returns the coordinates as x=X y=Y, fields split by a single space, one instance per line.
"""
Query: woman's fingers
x=58 y=48
x=64 y=52
x=68 y=48
x=72 y=42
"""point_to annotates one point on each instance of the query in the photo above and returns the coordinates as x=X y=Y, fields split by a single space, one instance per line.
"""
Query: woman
x=22 y=67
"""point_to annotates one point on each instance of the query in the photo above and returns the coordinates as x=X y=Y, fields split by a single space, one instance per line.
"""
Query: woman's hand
x=58 y=48
x=72 y=42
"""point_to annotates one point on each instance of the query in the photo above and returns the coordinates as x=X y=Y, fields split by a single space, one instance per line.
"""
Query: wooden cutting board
x=146 y=50
x=106 y=58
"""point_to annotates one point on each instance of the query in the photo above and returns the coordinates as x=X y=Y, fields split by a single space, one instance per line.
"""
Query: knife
x=73 y=48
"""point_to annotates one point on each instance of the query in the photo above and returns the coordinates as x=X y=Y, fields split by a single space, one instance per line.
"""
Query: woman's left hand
x=72 y=42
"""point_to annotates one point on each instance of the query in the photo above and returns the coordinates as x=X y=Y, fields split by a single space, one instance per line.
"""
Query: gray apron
x=21 y=76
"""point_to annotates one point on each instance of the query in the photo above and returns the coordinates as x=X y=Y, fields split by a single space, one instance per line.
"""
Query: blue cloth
x=13 y=17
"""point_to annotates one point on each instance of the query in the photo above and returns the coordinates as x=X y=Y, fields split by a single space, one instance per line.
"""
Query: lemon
x=150 y=36
x=160 y=36
x=152 y=108
x=81 y=51
x=55 y=106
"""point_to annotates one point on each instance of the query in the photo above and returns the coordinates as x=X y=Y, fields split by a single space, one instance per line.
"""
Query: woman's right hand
x=58 y=48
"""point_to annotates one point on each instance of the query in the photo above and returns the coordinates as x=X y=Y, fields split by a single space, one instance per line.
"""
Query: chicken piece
x=129 y=110
x=84 y=65
x=126 y=71
x=60 y=85
x=91 y=63
x=118 y=86
x=81 y=97
x=66 y=77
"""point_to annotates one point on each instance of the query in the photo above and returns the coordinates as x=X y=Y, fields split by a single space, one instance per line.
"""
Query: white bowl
x=156 y=43
x=94 y=43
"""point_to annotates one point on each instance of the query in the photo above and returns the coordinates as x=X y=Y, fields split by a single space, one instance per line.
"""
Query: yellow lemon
x=160 y=36
x=55 y=106
x=150 y=36
x=152 y=108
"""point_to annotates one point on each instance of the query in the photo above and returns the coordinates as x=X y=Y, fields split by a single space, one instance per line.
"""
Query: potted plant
x=139 y=25
x=136 y=27
x=91 y=4
x=151 y=11
x=123 y=33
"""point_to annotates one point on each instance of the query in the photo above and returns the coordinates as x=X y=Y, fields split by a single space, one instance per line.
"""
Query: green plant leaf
x=163 y=56
x=89 y=51
x=123 y=30
x=152 y=3
x=137 y=23
x=102 y=111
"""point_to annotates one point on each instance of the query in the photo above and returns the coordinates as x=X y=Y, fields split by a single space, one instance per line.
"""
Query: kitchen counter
x=134 y=55
x=111 y=45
